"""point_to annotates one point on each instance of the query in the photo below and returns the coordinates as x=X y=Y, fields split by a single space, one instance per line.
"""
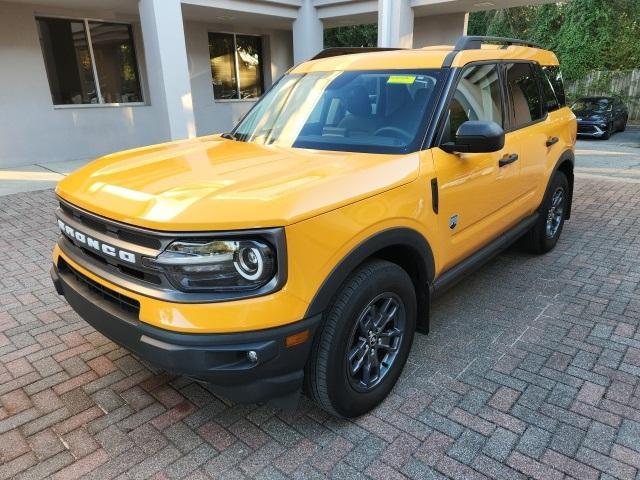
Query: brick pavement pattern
x=532 y=369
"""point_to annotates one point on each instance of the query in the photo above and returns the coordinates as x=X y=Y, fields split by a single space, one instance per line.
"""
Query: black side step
x=479 y=258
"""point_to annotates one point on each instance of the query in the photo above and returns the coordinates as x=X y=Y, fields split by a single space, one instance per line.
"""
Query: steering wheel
x=394 y=132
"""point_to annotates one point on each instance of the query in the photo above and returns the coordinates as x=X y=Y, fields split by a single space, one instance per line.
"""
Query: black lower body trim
x=479 y=258
x=221 y=360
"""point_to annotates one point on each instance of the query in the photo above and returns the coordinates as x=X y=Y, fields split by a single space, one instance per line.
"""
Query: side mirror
x=475 y=136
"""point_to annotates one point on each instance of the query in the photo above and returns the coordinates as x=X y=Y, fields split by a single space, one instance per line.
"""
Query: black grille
x=123 y=302
x=132 y=272
x=586 y=129
x=133 y=238
x=101 y=226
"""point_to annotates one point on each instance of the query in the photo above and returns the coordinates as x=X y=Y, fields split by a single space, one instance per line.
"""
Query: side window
x=236 y=65
x=477 y=97
x=524 y=94
x=334 y=114
x=89 y=62
x=549 y=100
x=555 y=78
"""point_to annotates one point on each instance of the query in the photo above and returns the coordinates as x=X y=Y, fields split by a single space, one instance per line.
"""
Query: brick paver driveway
x=532 y=369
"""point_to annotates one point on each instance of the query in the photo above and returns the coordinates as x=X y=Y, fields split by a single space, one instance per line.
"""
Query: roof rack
x=338 y=51
x=476 y=42
x=463 y=43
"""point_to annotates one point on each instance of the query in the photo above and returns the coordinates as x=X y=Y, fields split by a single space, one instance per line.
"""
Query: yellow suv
x=303 y=248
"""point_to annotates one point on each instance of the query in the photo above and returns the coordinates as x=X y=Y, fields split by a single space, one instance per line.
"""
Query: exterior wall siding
x=214 y=116
x=439 y=29
x=32 y=130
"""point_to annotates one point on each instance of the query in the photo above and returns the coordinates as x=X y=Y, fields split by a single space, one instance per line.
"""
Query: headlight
x=217 y=265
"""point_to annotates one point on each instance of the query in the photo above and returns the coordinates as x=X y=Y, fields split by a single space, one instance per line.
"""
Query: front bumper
x=219 y=359
x=590 y=129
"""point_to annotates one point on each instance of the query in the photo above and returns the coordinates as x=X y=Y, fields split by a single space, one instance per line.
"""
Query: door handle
x=507 y=159
x=552 y=141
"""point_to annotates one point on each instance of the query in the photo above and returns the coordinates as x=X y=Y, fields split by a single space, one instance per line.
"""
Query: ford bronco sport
x=303 y=248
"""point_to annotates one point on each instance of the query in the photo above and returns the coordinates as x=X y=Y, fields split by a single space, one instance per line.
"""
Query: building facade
x=83 y=78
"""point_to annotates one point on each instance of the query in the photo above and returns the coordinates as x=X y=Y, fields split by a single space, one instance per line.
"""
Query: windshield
x=360 y=111
x=592 y=104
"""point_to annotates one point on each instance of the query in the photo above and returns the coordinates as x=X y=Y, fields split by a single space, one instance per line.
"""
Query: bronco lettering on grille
x=96 y=245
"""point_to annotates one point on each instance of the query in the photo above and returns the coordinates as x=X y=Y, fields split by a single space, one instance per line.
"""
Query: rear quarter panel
x=564 y=126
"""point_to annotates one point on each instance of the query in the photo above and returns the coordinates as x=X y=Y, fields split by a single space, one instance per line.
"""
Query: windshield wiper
x=229 y=136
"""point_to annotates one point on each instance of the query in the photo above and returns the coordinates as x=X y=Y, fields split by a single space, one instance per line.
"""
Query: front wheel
x=544 y=235
x=608 y=132
x=365 y=339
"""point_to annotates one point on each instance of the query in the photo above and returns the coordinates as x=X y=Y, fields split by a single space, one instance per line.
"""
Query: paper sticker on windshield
x=405 y=79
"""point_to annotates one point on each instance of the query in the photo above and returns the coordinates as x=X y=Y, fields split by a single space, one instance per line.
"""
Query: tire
x=608 y=132
x=328 y=379
x=541 y=239
x=624 y=125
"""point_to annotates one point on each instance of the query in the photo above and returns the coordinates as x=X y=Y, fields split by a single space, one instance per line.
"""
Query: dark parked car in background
x=600 y=117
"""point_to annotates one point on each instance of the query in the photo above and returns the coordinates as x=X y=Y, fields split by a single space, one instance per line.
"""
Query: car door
x=530 y=133
x=475 y=193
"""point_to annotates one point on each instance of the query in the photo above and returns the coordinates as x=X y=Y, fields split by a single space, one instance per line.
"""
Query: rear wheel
x=624 y=124
x=362 y=347
x=545 y=233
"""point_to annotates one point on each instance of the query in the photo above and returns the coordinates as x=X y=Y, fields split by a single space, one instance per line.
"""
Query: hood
x=211 y=183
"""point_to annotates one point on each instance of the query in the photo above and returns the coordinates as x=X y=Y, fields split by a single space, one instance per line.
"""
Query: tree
x=585 y=34
x=479 y=22
x=351 y=36
x=546 y=24
x=599 y=35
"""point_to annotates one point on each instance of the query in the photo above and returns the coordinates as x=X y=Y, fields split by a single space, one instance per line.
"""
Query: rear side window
x=477 y=97
x=549 y=100
x=524 y=94
x=554 y=76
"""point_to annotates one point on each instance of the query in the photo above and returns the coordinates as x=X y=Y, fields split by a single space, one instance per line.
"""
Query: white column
x=167 y=65
x=442 y=29
x=308 y=33
x=395 y=23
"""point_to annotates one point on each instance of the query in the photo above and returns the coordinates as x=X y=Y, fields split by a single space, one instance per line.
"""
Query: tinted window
x=115 y=62
x=223 y=68
x=361 y=111
x=67 y=60
x=477 y=97
x=549 y=100
x=236 y=65
x=71 y=64
x=598 y=105
x=249 y=53
x=555 y=78
x=524 y=95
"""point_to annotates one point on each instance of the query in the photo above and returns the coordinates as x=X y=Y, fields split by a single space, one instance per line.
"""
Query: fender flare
x=381 y=245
